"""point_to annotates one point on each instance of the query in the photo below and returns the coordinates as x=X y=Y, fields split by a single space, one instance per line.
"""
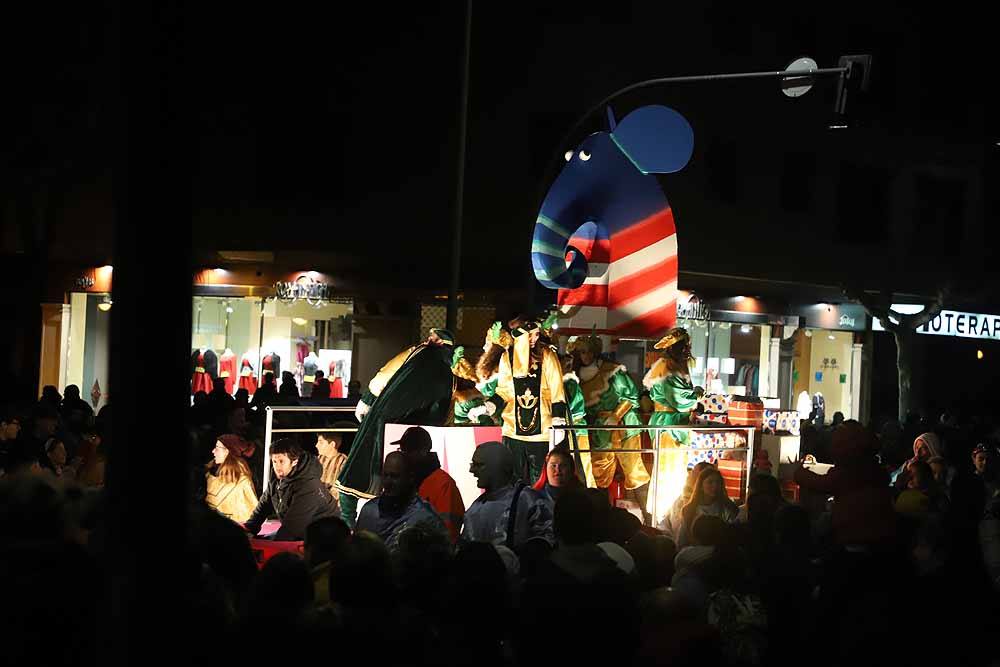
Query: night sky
x=335 y=130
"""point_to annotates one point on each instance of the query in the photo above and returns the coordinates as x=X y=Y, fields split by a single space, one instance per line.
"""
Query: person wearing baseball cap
x=434 y=485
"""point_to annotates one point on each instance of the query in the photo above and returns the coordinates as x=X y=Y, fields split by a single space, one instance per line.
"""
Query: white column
x=773 y=361
x=64 y=348
x=766 y=385
x=856 y=351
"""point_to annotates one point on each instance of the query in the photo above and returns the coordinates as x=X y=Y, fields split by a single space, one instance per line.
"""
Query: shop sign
x=305 y=289
x=834 y=317
x=694 y=309
x=84 y=282
x=951 y=323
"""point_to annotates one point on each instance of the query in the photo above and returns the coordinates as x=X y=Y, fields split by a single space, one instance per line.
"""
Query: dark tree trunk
x=904 y=367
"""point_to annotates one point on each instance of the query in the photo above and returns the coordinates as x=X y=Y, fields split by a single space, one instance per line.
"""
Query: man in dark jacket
x=298 y=495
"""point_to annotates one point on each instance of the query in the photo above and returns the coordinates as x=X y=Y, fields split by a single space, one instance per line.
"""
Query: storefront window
x=727 y=355
x=240 y=338
x=87 y=346
x=823 y=369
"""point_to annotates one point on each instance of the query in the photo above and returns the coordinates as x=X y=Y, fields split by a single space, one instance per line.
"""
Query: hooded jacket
x=298 y=499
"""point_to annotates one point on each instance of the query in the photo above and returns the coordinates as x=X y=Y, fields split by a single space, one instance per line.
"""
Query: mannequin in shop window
x=309 y=368
x=247 y=379
x=204 y=369
x=227 y=370
x=271 y=363
x=337 y=379
x=818 y=409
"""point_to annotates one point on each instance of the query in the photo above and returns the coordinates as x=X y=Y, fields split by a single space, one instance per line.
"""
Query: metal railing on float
x=656 y=450
x=269 y=429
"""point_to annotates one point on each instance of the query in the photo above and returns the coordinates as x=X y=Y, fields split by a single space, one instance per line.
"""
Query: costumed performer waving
x=674 y=398
x=530 y=396
x=612 y=399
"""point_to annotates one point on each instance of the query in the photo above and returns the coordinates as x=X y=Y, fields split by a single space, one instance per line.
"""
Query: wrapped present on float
x=708 y=418
x=746 y=411
x=781 y=421
x=716 y=404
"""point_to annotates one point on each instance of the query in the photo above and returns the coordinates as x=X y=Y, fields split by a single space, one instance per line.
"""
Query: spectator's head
x=268 y=379
x=72 y=393
x=415 y=445
x=710 y=487
x=560 y=469
x=354 y=388
x=200 y=399
x=664 y=552
x=10 y=427
x=219 y=385
x=55 y=453
x=397 y=479
x=921 y=476
x=791 y=528
x=325 y=539
x=709 y=531
x=926 y=445
x=285 y=455
x=327 y=443
x=46 y=421
x=622 y=526
x=320 y=375
x=492 y=465
x=533 y=553
x=838 y=419
x=50 y=395
x=692 y=477
x=282 y=590
x=363 y=577
x=31 y=509
x=852 y=442
x=708 y=490
x=764 y=484
x=939 y=467
x=288 y=388
x=229 y=453
x=573 y=519
x=23 y=457
x=983 y=459
x=242 y=396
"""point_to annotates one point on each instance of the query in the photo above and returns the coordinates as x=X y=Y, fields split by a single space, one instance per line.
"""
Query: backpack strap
x=512 y=515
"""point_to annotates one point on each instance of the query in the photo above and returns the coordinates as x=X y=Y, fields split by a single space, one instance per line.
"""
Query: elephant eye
x=569 y=155
x=584 y=155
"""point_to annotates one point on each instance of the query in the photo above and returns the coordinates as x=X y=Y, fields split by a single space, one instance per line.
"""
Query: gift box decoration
x=714 y=403
x=746 y=411
x=708 y=418
x=781 y=421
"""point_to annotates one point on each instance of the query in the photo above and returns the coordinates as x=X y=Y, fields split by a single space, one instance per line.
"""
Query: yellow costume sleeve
x=552 y=377
x=505 y=380
x=385 y=373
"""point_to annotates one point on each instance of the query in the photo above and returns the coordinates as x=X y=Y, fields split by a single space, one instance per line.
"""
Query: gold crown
x=674 y=336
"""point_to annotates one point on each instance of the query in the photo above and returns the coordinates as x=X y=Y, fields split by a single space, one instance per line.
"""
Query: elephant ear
x=657 y=139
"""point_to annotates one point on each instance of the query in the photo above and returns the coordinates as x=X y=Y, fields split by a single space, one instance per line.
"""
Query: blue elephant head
x=608 y=184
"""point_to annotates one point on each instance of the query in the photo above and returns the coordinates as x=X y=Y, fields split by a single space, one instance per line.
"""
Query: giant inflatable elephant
x=605 y=235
